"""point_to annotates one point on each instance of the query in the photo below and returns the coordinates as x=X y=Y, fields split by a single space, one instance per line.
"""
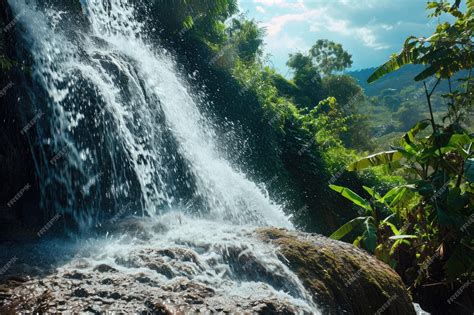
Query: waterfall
x=124 y=132
x=126 y=141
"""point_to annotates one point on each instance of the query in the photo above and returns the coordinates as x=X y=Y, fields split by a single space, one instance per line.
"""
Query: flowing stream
x=125 y=134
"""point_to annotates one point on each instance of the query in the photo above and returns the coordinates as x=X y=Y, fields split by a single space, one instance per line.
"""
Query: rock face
x=264 y=271
x=19 y=196
x=341 y=278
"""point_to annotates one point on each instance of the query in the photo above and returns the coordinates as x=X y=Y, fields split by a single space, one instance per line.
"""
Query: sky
x=370 y=30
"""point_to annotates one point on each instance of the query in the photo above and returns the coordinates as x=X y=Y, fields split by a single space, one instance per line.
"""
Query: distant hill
x=397 y=101
x=398 y=80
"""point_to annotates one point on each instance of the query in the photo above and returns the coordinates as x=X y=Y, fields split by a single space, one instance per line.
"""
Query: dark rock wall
x=20 y=213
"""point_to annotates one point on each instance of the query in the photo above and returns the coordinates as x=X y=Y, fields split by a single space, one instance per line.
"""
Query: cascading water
x=124 y=126
x=124 y=135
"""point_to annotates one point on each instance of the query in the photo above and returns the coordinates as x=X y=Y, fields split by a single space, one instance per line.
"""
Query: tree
x=324 y=59
x=307 y=79
x=200 y=19
x=329 y=57
x=247 y=39
x=408 y=117
x=343 y=87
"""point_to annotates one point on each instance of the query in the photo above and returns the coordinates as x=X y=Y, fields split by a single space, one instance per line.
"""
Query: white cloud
x=321 y=20
x=368 y=37
x=276 y=24
x=287 y=43
x=282 y=3
x=366 y=28
x=386 y=27
x=267 y=3
x=366 y=34
x=260 y=9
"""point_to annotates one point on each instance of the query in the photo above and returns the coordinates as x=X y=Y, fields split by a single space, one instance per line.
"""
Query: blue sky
x=371 y=30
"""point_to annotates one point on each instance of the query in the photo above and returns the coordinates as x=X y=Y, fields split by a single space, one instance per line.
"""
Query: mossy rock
x=342 y=278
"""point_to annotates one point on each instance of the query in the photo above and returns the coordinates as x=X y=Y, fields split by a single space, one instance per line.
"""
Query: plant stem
x=428 y=97
x=433 y=124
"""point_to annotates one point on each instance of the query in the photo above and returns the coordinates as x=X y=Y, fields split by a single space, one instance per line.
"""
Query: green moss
x=339 y=276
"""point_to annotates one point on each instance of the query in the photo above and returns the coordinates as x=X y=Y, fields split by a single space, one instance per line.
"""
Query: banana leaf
x=347 y=228
x=392 y=226
x=407 y=56
x=370 y=235
x=409 y=137
x=382 y=158
x=352 y=196
x=398 y=196
x=373 y=193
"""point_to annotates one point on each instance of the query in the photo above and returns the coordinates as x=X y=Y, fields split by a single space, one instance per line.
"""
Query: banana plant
x=371 y=223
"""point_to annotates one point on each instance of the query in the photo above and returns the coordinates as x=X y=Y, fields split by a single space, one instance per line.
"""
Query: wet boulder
x=341 y=278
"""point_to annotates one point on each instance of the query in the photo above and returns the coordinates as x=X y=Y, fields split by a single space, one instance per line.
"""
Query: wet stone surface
x=212 y=268
x=164 y=274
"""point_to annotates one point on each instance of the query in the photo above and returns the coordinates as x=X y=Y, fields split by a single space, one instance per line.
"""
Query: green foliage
x=343 y=87
x=382 y=158
x=369 y=229
x=5 y=64
x=408 y=116
x=323 y=59
x=328 y=122
x=313 y=86
x=352 y=196
x=247 y=38
x=199 y=19
x=429 y=215
x=347 y=228
x=307 y=80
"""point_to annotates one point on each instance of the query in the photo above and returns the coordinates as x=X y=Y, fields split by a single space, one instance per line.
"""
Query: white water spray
x=139 y=104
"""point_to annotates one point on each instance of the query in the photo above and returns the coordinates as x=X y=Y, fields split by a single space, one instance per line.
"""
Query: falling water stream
x=126 y=135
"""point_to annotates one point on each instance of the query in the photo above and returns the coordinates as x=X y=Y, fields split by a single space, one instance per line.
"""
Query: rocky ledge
x=341 y=278
x=190 y=277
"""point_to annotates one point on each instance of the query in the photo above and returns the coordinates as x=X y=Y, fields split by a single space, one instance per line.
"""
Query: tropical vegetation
x=423 y=227
x=410 y=205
